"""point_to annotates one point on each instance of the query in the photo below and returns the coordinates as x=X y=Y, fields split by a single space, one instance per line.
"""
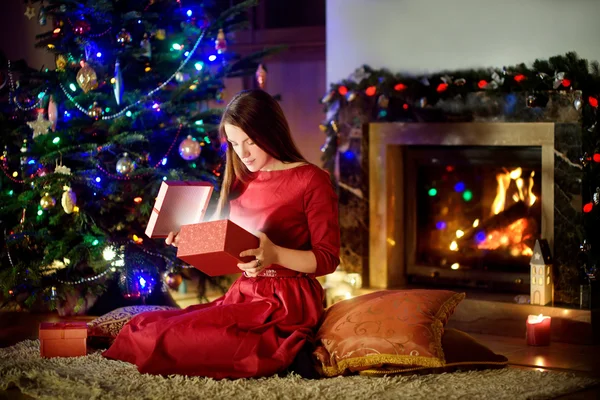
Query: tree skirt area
x=94 y=377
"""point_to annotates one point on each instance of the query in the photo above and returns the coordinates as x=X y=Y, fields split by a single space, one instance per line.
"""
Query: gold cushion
x=397 y=328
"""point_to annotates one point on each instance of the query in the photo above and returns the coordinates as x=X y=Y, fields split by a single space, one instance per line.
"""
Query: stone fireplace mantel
x=387 y=174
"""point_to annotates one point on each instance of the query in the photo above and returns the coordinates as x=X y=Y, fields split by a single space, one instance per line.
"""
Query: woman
x=272 y=310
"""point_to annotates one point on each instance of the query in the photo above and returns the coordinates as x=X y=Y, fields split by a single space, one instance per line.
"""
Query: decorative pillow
x=462 y=351
x=109 y=325
x=395 y=328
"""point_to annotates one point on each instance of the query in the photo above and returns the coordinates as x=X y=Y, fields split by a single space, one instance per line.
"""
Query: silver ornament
x=189 y=149
x=68 y=200
x=125 y=165
x=118 y=85
x=596 y=196
x=577 y=103
x=146 y=47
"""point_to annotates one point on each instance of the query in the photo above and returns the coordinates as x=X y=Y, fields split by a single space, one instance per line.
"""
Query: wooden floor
x=580 y=359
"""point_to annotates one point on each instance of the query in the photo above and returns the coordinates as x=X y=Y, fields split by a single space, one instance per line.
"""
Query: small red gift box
x=63 y=339
x=177 y=204
x=214 y=247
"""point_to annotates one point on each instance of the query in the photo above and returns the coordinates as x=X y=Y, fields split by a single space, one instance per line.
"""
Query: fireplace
x=458 y=204
x=472 y=208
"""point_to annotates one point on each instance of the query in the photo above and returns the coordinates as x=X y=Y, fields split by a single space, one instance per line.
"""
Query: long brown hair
x=261 y=118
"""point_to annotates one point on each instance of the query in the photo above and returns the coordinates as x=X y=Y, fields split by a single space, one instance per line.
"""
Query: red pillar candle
x=538 y=330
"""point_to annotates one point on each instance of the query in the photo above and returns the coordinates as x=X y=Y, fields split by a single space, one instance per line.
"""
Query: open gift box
x=63 y=339
x=212 y=247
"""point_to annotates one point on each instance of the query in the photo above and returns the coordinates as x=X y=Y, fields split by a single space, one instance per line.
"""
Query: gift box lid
x=177 y=204
x=63 y=330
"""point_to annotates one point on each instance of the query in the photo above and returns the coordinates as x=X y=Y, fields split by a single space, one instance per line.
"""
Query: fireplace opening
x=474 y=213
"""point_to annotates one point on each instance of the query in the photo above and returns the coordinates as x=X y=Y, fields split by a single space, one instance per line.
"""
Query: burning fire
x=510 y=237
x=504 y=181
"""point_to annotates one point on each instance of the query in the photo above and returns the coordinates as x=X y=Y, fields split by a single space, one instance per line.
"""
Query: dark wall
x=17 y=39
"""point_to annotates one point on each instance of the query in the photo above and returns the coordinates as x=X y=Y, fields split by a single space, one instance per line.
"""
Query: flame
x=532 y=197
x=509 y=237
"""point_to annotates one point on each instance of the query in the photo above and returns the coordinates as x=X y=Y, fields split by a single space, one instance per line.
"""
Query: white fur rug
x=94 y=377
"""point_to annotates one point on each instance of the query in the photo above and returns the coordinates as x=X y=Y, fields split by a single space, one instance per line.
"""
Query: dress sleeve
x=321 y=208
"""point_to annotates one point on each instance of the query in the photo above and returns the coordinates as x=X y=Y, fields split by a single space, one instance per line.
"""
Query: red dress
x=261 y=323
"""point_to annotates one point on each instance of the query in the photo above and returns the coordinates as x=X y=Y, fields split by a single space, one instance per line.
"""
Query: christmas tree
x=134 y=99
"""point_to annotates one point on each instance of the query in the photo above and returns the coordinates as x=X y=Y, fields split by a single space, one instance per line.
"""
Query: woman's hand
x=265 y=255
x=172 y=239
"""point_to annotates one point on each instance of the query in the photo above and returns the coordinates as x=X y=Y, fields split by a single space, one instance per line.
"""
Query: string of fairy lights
x=13 y=99
x=114 y=258
x=124 y=110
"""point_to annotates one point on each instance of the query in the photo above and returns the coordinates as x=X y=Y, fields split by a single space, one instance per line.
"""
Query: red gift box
x=214 y=247
x=63 y=339
x=177 y=204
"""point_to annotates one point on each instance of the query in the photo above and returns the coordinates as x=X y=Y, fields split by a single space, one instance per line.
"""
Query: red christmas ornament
x=400 y=87
x=371 y=90
x=482 y=84
x=597 y=158
x=221 y=42
x=566 y=82
x=405 y=106
x=42 y=171
x=261 y=76
x=441 y=87
x=588 y=207
x=343 y=90
x=593 y=102
x=520 y=78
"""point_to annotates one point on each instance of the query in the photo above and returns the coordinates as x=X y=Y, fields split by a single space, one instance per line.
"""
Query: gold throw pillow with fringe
x=385 y=329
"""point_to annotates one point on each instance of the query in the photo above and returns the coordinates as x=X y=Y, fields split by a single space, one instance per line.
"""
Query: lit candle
x=538 y=330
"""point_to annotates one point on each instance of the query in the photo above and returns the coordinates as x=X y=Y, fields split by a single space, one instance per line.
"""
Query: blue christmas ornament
x=118 y=85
